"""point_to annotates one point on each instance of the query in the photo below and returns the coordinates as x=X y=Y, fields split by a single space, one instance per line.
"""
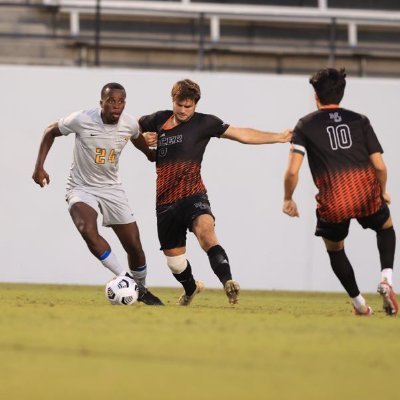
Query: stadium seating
x=288 y=36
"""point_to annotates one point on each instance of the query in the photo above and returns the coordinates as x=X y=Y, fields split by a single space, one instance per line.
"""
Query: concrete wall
x=267 y=249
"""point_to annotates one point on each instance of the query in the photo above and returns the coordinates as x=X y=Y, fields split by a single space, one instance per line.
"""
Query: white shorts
x=112 y=203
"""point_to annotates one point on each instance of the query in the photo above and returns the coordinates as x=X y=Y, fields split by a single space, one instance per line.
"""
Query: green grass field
x=67 y=342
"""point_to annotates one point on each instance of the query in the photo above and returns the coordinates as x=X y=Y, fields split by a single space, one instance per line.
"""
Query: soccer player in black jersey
x=345 y=159
x=182 y=135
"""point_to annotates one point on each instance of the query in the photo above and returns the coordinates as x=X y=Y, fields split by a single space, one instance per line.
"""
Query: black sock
x=186 y=279
x=386 y=239
x=220 y=263
x=344 y=271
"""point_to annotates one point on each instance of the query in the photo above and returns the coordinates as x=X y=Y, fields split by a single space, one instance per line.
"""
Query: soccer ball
x=122 y=290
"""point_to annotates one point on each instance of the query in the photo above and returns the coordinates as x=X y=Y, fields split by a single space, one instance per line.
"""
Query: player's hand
x=386 y=198
x=287 y=135
x=41 y=177
x=150 y=138
x=290 y=208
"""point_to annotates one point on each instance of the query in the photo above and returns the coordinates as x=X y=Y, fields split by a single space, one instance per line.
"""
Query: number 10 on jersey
x=339 y=136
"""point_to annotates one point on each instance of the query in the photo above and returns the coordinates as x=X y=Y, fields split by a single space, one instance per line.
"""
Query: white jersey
x=97 y=147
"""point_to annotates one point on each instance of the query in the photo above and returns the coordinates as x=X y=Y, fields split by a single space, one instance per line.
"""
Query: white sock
x=110 y=261
x=139 y=274
x=386 y=275
x=358 y=301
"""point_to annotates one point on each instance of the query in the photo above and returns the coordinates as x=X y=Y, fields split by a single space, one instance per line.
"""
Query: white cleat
x=232 y=290
x=185 y=300
x=390 y=305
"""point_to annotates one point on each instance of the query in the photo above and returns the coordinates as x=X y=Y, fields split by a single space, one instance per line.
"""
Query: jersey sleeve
x=69 y=124
x=132 y=125
x=298 y=139
x=135 y=129
x=148 y=123
x=372 y=141
x=215 y=126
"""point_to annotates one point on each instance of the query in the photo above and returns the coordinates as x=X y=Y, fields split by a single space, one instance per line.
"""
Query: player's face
x=183 y=109
x=112 y=105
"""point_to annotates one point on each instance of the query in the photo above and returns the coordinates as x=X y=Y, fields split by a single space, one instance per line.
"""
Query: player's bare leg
x=128 y=234
x=85 y=220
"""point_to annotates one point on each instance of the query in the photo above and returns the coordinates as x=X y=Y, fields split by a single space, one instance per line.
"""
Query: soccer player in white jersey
x=94 y=185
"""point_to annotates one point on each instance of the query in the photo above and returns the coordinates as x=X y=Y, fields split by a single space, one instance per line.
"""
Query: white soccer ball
x=122 y=290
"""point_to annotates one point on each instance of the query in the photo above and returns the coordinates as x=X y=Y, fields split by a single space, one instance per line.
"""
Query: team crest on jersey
x=122 y=139
x=335 y=116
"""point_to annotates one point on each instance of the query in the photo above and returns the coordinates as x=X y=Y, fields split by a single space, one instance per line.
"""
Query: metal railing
x=214 y=13
x=208 y=18
x=211 y=15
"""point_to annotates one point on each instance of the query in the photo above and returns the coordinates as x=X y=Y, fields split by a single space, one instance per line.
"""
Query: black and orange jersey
x=338 y=143
x=180 y=152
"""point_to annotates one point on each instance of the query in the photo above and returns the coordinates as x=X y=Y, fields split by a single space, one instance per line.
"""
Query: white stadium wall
x=267 y=249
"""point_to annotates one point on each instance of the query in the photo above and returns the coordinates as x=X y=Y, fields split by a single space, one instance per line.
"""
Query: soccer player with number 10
x=345 y=158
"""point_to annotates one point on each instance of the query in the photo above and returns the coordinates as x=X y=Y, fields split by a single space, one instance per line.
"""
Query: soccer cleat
x=390 y=305
x=365 y=311
x=146 y=297
x=185 y=300
x=232 y=290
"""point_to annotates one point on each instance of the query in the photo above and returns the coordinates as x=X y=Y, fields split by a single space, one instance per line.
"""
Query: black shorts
x=173 y=220
x=337 y=232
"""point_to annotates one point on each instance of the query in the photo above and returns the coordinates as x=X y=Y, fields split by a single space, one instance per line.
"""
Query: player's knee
x=87 y=232
x=177 y=264
x=387 y=226
x=332 y=246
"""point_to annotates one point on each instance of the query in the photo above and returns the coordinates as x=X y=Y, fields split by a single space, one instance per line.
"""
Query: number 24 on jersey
x=101 y=156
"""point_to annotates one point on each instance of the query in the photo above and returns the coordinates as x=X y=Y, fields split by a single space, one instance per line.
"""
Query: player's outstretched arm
x=40 y=176
x=142 y=144
x=254 y=136
x=290 y=183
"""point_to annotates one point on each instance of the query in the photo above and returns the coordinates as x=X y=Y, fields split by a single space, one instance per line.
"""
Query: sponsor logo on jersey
x=168 y=141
